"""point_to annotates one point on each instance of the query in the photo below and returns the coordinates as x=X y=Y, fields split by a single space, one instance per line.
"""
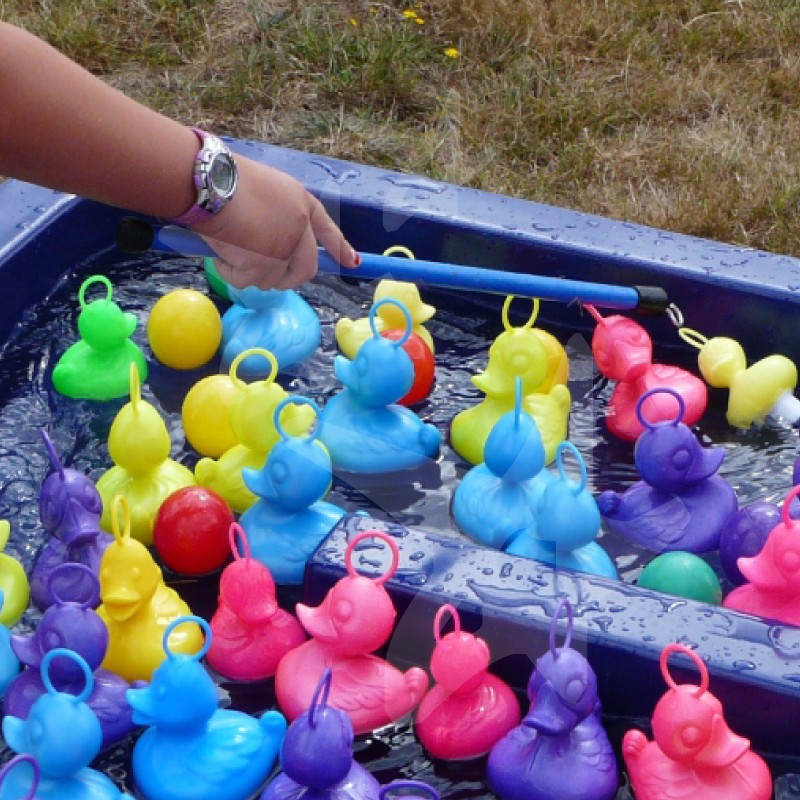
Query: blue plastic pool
x=49 y=242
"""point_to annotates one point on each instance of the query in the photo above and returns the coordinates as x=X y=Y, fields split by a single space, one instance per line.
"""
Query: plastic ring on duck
x=135 y=384
x=25 y=758
x=253 y=351
x=507 y=307
x=399 y=248
x=92 y=280
x=675 y=647
x=120 y=501
x=324 y=689
x=388 y=540
x=437 y=622
x=236 y=534
x=94 y=594
x=669 y=422
x=785 y=518
x=298 y=400
x=406 y=787
x=185 y=620
x=562 y=603
x=71 y=654
x=565 y=445
x=55 y=461
x=409 y=322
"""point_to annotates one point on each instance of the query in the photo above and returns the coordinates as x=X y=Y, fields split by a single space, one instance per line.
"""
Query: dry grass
x=680 y=114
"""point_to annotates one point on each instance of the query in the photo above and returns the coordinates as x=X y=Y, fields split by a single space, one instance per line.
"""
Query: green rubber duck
x=98 y=366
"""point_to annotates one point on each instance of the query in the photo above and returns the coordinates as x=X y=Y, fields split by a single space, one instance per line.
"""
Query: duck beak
x=259 y=482
x=633 y=359
x=548 y=714
x=706 y=462
x=141 y=701
x=343 y=369
x=130 y=323
x=761 y=569
x=121 y=603
x=27 y=649
x=317 y=622
x=79 y=526
x=724 y=747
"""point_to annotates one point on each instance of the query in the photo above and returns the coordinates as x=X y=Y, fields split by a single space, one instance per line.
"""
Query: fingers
x=302 y=265
x=331 y=238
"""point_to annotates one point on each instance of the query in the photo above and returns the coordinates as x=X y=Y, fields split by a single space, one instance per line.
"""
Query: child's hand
x=267 y=235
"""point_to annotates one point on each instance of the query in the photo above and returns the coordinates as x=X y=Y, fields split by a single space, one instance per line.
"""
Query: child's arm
x=62 y=127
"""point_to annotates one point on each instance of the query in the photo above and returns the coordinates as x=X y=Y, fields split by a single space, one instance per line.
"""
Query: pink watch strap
x=196 y=213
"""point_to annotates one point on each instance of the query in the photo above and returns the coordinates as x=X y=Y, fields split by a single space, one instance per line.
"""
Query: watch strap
x=196 y=213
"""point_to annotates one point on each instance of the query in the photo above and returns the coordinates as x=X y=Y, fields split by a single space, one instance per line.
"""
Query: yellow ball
x=206 y=415
x=184 y=329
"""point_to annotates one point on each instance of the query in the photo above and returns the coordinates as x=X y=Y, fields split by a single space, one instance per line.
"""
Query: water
x=758 y=465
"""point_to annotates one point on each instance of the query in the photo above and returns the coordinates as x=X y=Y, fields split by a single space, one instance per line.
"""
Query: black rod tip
x=134 y=235
x=652 y=299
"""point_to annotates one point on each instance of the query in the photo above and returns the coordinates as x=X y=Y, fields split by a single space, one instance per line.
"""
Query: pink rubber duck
x=251 y=633
x=355 y=618
x=469 y=710
x=624 y=352
x=773 y=575
x=694 y=755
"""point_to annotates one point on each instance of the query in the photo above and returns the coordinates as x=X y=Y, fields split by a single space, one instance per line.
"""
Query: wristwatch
x=215 y=177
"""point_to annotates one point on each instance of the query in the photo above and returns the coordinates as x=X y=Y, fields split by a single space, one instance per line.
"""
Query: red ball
x=191 y=531
x=424 y=365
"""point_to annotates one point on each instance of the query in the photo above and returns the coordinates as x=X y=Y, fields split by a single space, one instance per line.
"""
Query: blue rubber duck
x=9 y=663
x=280 y=321
x=567 y=524
x=363 y=427
x=680 y=503
x=561 y=749
x=317 y=756
x=75 y=625
x=497 y=499
x=290 y=517
x=63 y=735
x=192 y=749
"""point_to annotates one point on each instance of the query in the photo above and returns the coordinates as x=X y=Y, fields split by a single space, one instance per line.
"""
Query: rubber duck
x=97 y=366
x=351 y=334
x=763 y=390
x=9 y=663
x=75 y=625
x=680 y=503
x=317 y=756
x=567 y=524
x=137 y=605
x=469 y=710
x=251 y=633
x=694 y=754
x=144 y=474
x=70 y=508
x=355 y=619
x=773 y=587
x=192 y=749
x=623 y=352
x=744 y=535
x=63 y=734
x=251 y=419
x=278 y=320
x=290 y=518
x=517 y=352
x=561 y=749
x=13 y=581
x=362 y=426
x=497 y=499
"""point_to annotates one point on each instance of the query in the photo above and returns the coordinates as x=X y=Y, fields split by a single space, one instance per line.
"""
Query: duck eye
x=691 y=736
x=36 y=731
x=573 y=691
x=135 y=573
x=519 y=363
x=161 y=692
x=91 y=499
x=106 y=573
x=790 y=561
x=52 y=640
x=682 y=458
x=278 y=472
x=343 y=609
x=362 y=368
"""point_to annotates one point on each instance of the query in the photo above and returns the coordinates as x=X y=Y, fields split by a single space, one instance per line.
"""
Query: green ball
x=215 y=280
x=683 y=575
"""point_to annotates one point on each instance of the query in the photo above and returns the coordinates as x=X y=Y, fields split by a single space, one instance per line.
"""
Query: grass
x=684 y=115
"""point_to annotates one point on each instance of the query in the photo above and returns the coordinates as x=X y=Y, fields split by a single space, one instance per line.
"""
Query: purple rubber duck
x=561 y=749
x=680 y=503
x=73 y=625
x=70 y=509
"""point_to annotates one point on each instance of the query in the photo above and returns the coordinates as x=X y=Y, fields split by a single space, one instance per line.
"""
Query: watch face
x=223 y=174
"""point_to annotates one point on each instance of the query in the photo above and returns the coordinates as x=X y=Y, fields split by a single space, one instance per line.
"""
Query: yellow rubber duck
x=144 y=474
x=252 y=420
x=765 y=389
x=137 y=606
x=351 y=334
x=540 y=361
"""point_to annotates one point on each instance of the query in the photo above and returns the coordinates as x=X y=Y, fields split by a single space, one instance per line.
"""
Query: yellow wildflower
x=452 y=52
x=353 y=22
x=410 y=14
x=419 y=20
